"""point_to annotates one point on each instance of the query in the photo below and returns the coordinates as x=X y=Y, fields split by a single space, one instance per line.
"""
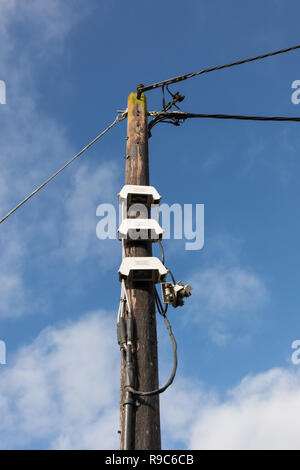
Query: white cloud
x=91 y=187
x=62 y=392
x=64 y=387
x=12 y=291
x=224 y=289
x=32 y=146
x=32 y=143
x=51 y=20
x=261 y=413
x=224 y=293
x=179 y=407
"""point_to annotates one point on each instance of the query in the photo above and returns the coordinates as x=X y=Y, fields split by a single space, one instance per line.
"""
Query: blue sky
x=68 y=67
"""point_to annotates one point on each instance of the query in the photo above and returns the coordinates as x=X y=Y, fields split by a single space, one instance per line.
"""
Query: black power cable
x=118 y=119
x=162 y=311
x=162 y=116
x=180 y=78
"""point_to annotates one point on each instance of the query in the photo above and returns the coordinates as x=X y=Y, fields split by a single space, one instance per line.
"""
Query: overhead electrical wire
x=165 y=83
x=174 y=117
x=180 y=78
x=184 y=115
x=118 y=119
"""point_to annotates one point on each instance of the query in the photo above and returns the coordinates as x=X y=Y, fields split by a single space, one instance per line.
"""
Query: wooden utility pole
x=145 y=417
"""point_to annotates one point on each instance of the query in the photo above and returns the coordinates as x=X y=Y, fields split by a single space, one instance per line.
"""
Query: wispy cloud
x=12 y=292
x=225 y=290
x=261 y=412
x=228 y=288
x=90 y=188
x=63 y=388
x=32 y=146
x=62 y=392
x=49 y=21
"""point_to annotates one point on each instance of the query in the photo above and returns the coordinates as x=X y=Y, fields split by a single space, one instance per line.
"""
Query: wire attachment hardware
x=175 y=293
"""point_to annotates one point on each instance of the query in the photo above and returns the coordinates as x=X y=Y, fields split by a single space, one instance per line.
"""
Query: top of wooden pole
x=137 y=166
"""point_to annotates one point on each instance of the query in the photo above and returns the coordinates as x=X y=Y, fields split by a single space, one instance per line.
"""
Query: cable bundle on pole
x=181 y=116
